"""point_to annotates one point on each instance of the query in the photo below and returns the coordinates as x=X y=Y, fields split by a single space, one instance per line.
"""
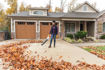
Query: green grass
x=101 y=48
x=88 y=49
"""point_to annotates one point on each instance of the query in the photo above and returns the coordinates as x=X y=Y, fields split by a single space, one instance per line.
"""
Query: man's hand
x=49 y=35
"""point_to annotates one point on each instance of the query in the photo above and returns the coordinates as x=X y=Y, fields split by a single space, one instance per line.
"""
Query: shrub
x=81 y=34
x=73 y=40
x=80 y=41
x=102 y=37
x=70 y=36
x=67 y=39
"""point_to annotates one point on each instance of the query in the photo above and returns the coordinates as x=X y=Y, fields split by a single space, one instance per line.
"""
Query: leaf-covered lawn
x=13 y=58
x=99 y=50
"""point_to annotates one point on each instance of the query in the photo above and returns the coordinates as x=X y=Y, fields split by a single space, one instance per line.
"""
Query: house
x=36 y=23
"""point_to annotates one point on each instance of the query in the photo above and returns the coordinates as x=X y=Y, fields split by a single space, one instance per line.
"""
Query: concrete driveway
x=67 y=51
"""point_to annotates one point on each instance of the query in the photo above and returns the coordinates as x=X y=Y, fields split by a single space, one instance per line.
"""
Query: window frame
x=85 y=8
x=30 y=23
x=21 y=23
x=103 y=27
x=38 y=11
x=68 y=25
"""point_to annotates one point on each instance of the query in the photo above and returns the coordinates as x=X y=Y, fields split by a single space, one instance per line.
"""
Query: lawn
x=99 y=50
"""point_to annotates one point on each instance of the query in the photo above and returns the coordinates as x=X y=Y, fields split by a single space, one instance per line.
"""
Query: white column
x=37 y=30
x=11 y=25
x=59 y=26
x=95 y=29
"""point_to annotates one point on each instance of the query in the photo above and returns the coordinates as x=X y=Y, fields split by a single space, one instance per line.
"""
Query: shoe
x=49 y=47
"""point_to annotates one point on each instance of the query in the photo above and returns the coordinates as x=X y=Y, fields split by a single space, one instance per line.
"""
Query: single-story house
x=36 y=23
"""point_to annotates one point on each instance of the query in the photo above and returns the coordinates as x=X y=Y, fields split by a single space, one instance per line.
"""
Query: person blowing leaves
x=53 y=33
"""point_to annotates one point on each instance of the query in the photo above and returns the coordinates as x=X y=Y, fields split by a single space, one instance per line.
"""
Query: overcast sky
x=37 y=3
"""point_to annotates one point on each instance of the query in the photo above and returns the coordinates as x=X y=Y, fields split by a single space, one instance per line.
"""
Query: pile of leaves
x=13 y=57
x=97 y=50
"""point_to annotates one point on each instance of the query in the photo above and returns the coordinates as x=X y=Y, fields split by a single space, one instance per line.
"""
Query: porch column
x=37 y=30
x=85 y=26
x=95 y=29
x=62 y=30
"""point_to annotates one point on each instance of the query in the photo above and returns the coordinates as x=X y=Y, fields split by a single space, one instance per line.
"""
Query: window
x=45 y=23
x=70 y=27
x=30 y=23
x=84 y=8
x=38 y=12
x=104 y=27
x=21 y=23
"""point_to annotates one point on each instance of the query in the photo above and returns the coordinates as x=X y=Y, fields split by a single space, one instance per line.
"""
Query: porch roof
x=58 y=15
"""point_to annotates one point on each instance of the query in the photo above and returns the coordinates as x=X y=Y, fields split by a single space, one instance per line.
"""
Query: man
x=53 y=33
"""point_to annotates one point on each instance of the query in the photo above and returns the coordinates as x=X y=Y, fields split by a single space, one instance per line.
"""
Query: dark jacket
x=56 y=30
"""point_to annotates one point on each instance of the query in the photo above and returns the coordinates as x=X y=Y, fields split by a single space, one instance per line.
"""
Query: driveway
x=67 y=51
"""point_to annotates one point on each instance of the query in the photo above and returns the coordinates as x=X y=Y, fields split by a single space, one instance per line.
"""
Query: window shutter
x=100 y=30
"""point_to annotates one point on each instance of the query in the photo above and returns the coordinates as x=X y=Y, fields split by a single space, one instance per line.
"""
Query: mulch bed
x=13 y=57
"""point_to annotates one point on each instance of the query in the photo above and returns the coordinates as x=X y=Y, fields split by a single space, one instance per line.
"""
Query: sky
x=100 y=4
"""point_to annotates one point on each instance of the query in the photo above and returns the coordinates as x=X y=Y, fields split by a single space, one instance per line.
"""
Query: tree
x=13 y=6
x=57 y=9
x=49 y=6
x=22 y=8
x=62 y=5
x=94 y=4
x=27 y=8
x=72 y=5
x=3 y=20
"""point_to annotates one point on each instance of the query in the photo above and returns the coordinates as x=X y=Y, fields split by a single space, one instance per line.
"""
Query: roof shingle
x=59 y=15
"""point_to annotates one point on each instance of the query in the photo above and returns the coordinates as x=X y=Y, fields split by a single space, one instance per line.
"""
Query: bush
x=73 y=40
x=68 y=39
x=102 y=37
x=80 y=41
x=70 y=36
x=81 y=34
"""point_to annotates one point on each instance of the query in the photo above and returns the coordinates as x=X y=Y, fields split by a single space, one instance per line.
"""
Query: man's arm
x=50 y=31
x=57 y=29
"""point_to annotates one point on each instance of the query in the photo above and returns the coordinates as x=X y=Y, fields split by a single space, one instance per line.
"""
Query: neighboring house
x=36 y=23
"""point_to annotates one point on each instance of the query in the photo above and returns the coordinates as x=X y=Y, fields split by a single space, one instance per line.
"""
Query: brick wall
x=99 y=27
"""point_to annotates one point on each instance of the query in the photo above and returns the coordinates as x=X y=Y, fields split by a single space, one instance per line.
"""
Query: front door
x=81 y=26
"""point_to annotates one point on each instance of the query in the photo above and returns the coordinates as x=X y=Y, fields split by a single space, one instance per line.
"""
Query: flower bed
x=13 y=57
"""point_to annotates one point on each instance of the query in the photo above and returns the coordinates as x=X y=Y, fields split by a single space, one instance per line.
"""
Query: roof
x=88 y=5
x=38 y=8
x=59 y=15
x=101 y=13
x=81 y=15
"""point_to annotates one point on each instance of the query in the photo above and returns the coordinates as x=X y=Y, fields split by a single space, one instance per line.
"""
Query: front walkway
x=67 y=51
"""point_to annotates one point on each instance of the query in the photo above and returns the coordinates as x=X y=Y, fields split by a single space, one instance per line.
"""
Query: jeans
x=53 y=36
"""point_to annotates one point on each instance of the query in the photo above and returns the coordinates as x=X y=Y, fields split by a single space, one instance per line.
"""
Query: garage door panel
x=25 y=31
x=45 y=29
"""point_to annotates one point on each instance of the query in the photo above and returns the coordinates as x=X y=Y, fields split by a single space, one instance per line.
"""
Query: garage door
x=45 y=29
x=25 y=30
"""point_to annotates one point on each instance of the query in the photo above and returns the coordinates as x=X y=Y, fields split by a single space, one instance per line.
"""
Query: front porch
x=71 y=27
